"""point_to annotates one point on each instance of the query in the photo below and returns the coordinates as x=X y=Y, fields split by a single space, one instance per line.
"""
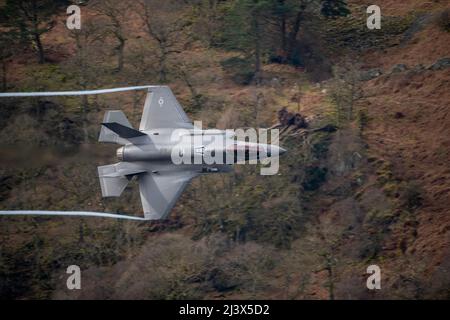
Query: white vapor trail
x=69 y=213
x=71 y=93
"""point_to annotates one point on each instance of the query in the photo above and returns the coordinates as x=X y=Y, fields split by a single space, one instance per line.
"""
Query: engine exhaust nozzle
x=120 y=153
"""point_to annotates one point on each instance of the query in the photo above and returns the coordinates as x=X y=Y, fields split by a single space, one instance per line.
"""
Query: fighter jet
x=166 y=152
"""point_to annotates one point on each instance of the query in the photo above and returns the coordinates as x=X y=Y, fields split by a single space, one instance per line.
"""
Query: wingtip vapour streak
x=159 y=189
x=71 y=93
x=69 y=213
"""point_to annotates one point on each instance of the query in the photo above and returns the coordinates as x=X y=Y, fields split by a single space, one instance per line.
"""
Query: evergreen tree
x=262 y=27
x=335 y=8
x=246 y=30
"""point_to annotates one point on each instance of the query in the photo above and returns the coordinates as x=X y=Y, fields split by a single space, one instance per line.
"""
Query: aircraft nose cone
x=282 y=151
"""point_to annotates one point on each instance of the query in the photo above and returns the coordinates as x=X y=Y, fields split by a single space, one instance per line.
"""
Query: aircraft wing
x=162 y=110
x=160 y=191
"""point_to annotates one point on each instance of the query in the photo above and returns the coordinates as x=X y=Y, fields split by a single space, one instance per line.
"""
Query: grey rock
x=441 y=64
x=275 y=82
x=419 y=23
x=419 y=67
x=399 y=68
x=371 y=74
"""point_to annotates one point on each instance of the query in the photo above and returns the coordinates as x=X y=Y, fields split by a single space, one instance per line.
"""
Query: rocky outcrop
x=441 y=64
x=370 y=74
x=399 y=68
x=287 y=118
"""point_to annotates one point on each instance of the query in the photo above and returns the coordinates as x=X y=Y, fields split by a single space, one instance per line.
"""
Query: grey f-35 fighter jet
x=165 y=133
x=148 y=152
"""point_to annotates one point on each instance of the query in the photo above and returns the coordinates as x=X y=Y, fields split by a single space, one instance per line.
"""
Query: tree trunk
x=162 y=67
x=82 y=81
x=135 y=104
x=36 y=35
x=211 y=20
x=120 y=54
x=37 y=40
x=194 y=94
x=329 y=268
x=81 y=233
x=283 y=34
x=4 y=80
x=85 y=110
x=294 y=33
x=256 y=27
x=162 y=72
x=283 y=30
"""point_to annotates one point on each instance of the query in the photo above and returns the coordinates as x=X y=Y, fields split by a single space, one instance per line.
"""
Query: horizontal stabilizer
x=123 y=131
x=113 y=130
x=112 y=186
x=115 y=177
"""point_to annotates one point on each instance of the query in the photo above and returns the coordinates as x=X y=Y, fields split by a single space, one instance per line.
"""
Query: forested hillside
x=366 y=179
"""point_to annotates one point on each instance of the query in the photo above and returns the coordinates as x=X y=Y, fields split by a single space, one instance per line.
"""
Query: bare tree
x=346 y=89
x=116 y=12
x=84 y=65
x=5 y=53
x=182 y=72
x=166 y=26
x=207 y=19
x=29 y=20
x=139 y=70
